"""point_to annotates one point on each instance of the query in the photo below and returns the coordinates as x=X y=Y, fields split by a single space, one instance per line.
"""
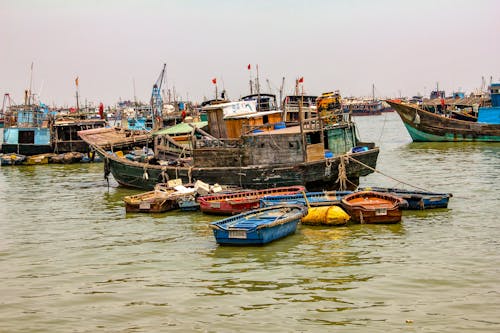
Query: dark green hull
x=318 y=175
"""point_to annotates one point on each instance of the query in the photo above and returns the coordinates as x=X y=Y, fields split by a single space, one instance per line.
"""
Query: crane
x=156 y=99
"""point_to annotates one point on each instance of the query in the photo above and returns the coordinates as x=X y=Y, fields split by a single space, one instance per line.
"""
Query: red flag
x=301 y=80
x=442 y=102
x=248 y=66
x=214 y=80
x=76 y=81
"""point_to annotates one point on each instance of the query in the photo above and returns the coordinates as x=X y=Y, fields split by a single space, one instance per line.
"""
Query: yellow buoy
x=326 y=215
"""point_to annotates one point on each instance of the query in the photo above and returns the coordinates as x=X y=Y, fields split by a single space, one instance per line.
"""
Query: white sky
x=403 y=47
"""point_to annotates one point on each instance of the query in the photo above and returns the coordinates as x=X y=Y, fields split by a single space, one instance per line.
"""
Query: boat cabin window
x=313 y=138
x=26 y=137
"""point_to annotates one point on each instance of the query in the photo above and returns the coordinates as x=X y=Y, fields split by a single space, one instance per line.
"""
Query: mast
x=135 y=97
x=77 y=102
x=281 y=92
x=373 y=92
x=31 y=82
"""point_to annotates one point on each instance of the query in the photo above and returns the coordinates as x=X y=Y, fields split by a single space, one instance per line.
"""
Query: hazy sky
x=403 y=47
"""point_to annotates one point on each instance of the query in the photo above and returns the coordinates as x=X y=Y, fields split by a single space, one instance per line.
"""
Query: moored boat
x=324 y=198
x=427 y=126
x=12 y=159
x=249 y=152
x=258 y=227
x=161 y=199
x=373 y=207
x=241 y=201
x=417 y=200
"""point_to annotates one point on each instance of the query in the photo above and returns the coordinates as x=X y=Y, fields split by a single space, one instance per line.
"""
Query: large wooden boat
x=373 y=207
x=428 y=126
x=259 y=226
x=260 y=156
x=241 y=201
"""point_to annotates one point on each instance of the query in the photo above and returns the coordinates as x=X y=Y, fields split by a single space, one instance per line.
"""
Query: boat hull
x=317 y=175
x=417 y=200
x=424 y=126
x=239 y=202
x=373 y=207
x=258 y=227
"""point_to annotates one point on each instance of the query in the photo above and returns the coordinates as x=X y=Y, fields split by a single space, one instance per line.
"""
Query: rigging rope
x=375 y=170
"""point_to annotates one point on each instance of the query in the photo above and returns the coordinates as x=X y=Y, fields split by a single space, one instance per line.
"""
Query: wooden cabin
x=232 y=120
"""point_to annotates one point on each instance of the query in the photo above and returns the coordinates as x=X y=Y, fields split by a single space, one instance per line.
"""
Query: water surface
x=71 y=260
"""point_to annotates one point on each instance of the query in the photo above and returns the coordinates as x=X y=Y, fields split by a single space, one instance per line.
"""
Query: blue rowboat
x=417 y=200
x=325 y=198
x=260 y=226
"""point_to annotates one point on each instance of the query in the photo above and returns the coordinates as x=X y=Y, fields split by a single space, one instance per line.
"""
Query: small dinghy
x=260 y=226
x=417 y=200
x=241 y=201
x=373 y=207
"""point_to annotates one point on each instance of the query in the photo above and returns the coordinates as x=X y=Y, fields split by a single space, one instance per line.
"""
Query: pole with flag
x=77 y=103
x=214 y=81
x=250 y=80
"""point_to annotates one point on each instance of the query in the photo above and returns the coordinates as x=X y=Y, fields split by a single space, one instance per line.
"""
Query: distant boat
x=259 y=226
x=241 y=201
x=12 y=159
x=427 y=126
x=373 y=207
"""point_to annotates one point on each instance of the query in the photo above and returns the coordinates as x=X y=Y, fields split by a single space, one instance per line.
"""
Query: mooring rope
x=375 y=170
x=342 y=177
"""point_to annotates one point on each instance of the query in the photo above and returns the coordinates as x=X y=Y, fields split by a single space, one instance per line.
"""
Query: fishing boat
x=417 y=200
x=373 y=207
x=258 y=227
x=241 y=201
x=27 y=130
x=64 y=129
x=309 y=154
x=427 y=126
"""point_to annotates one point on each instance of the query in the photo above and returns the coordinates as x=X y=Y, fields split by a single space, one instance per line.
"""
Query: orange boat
x=373 y=207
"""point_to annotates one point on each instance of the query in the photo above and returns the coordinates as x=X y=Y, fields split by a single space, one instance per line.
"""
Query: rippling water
x=71 y=260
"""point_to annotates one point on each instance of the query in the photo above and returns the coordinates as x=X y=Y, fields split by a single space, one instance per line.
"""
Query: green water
x=71 y=260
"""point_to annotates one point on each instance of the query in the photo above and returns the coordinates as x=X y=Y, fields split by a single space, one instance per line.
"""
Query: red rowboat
x=241 y=201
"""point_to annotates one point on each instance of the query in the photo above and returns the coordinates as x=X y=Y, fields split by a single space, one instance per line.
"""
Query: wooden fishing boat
x=259 y=226
x=427 y=126
x=373 y=207
x=249 y=153
x=241 y=201
x=417 y=200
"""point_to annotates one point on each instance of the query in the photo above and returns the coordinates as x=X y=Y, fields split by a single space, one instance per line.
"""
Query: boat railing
x=219 y=143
